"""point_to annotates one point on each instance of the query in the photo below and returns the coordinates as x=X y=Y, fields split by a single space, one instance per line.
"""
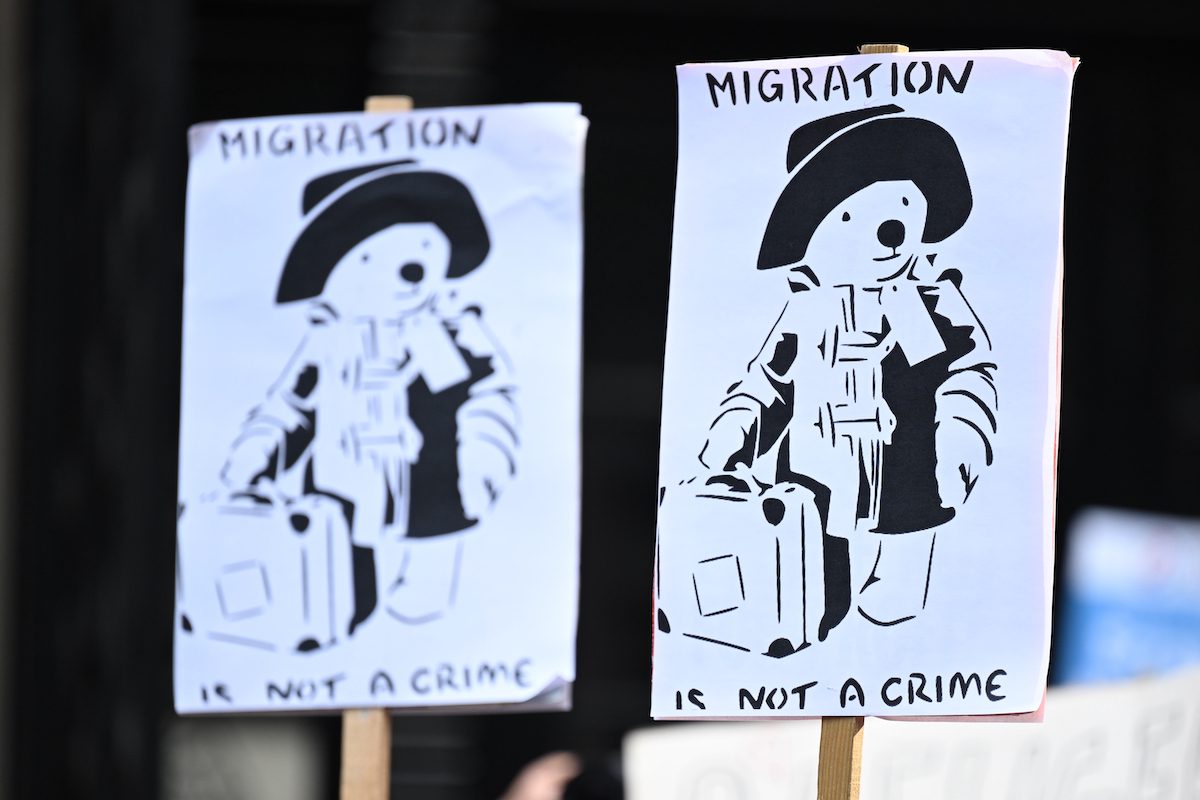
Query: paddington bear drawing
x=398 y=403
x=868 y=414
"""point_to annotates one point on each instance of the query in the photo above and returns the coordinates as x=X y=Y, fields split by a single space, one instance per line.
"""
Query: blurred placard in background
x=1130 y=595
x=1111 y=741
x=268 y=759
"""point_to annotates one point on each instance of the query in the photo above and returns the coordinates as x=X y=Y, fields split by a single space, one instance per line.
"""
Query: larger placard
x=860 y=399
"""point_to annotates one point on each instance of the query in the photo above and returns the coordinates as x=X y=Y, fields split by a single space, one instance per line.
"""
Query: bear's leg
x=837 y=583
x=425 y=581
x=366 y=584
x=897 y=585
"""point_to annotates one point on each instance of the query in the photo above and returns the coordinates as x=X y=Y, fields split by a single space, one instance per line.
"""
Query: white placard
x=860 y=398
x=379 y=448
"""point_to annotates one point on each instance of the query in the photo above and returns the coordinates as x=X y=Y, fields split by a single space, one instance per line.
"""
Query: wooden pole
x=839 y=765
x=366 y=754
x=388 y=103
x=867 y=49
x=839 y=768
x=367 y=733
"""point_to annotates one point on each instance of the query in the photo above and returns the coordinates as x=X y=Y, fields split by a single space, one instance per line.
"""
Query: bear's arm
x=490 y=414
x=287 y=414
x=967 y=401
x=756 y=409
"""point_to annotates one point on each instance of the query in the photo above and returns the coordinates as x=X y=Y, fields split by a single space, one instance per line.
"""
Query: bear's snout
x=412 y=272
x=891 y=233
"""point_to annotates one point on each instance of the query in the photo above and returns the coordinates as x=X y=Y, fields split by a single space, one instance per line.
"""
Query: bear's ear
x=324 y=185
x=810 y=136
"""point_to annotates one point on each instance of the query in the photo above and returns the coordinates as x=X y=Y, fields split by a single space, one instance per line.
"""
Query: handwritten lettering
x=795 y=85
x=357 y=137
x=304 y=690
x=447 y=678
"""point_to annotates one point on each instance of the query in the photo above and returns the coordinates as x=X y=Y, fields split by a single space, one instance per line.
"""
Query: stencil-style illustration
x=390 y=433
x=865 y=419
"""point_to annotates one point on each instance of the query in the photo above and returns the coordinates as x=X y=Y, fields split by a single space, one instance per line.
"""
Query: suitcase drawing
x=265 y=573
x=740 y=569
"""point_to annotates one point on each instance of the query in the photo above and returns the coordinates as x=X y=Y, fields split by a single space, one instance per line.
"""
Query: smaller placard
x=379 y=454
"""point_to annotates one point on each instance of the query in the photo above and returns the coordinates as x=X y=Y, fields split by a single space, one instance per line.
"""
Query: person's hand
x=544 y=778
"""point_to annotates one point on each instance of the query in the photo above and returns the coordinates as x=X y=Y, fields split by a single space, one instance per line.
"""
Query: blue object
x=1131 y=596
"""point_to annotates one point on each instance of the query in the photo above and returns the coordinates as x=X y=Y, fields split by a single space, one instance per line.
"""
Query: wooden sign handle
x=366 y=754
x=839 y=764
x=367 y=733
x=388 y=103
x=839 y=768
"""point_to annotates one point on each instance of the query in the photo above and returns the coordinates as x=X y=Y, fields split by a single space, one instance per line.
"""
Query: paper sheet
x=860 y=397
x=379 y=447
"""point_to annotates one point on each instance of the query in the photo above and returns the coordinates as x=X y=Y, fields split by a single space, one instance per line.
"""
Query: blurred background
x=95 y=99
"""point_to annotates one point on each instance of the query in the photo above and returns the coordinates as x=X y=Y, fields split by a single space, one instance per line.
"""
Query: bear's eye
x=366 y=257
x=904 y=200
x=845 y=216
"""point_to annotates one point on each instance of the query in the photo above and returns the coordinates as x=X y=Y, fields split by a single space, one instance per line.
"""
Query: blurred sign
x=1122 y=741
x=1131 y=595
x=379 y=425
x=231 y=759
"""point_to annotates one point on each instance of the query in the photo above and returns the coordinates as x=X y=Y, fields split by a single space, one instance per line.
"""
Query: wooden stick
x=839 y=764
x=367 y=733
x=867 y=49
x=839 y=768
x=366 y=754
x=389 y=102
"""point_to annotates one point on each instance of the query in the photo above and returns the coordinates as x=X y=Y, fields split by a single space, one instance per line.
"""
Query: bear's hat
x=833 y=157
x=346 y=207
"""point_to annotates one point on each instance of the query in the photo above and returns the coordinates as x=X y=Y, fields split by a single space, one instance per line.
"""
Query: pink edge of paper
x=1038 y=715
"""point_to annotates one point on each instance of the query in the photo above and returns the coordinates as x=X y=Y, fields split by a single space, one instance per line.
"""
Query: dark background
x=108 y=89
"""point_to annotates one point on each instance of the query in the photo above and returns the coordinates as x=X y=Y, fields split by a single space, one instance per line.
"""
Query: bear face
x=390 y=273
x=869 y=236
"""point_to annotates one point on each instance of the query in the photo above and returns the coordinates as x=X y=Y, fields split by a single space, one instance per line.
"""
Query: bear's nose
x=412 y=272
x=891 y=233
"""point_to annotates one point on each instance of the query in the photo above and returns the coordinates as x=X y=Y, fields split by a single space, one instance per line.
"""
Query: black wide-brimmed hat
x=346 y=207
x=833 y=157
